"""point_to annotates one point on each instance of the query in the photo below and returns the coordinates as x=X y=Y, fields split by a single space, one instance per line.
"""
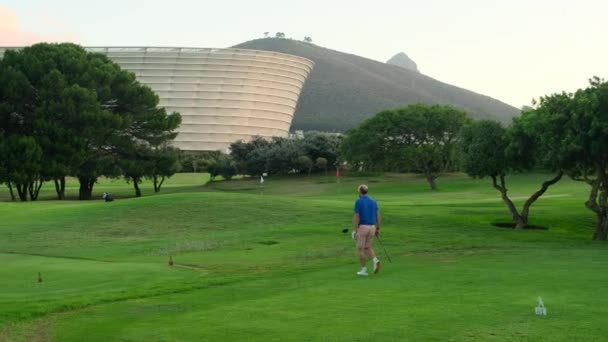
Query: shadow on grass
x=511 y=225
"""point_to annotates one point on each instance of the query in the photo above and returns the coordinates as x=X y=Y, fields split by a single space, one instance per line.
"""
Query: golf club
x=385 y=252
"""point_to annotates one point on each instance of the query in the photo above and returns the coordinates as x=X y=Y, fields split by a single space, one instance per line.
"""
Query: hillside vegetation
x=345 y=89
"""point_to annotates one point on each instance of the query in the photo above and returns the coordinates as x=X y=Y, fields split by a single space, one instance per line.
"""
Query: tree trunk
x=591 y=203
x=60 y=187
x=526 y=210
x=136 y=186
x=431 y=179
x=22 y=192
x=86 y=187
x=599 y=191
x=34 y=189
x=517 y=218
x=602 y=214
x=10 y=189
x=601 y=228
x=157 y=183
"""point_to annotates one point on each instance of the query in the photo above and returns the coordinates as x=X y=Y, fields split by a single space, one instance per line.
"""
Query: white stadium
x=223 y=95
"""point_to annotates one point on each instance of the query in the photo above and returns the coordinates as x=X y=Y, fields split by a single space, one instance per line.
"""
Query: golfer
x=366 y=224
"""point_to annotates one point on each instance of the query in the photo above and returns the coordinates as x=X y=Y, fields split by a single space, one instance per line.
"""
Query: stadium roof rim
x=173 y=48
x=196 y=48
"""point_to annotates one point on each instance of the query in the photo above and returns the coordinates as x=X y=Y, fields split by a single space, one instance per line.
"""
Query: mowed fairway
x=257 y=264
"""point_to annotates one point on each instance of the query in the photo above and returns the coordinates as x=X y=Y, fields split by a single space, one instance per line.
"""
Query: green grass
x=270 y=263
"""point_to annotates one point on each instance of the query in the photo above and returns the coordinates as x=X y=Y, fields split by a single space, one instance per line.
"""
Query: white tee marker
x=540 y=309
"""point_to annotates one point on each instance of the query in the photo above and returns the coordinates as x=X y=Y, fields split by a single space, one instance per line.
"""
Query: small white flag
x=261 y=179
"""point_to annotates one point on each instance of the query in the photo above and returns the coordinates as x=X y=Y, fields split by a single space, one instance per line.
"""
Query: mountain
x=345 y=89
x=404 y=61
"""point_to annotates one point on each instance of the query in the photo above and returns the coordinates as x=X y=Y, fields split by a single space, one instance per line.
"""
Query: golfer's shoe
x=376 y=266
x=363 y=272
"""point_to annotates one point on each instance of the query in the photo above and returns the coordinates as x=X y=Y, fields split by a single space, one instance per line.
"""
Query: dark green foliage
x=251 y=158
x=489 y=150
x=20 y=157
x=343 y=89
x=321 y=164
x=284 y=156
x=163 y=164
x=321 y=145
x=484 y=143
x=219 y=164
x=304 y=164
x=573 y=133
x=89 y=117
x=191 y=162
x=419 y=138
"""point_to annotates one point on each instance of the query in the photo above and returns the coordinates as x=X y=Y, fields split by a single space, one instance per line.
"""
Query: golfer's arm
x=378 y=219
x=355 y=222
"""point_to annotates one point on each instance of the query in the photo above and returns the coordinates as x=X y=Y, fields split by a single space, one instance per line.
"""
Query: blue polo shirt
x=367 y=208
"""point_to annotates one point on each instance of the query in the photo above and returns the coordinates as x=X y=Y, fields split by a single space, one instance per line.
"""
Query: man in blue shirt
x=366 y=224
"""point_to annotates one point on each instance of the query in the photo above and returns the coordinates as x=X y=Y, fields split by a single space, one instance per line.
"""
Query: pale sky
x=511 y=50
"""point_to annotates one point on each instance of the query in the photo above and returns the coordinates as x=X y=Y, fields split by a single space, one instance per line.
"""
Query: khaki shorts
x=365 y=236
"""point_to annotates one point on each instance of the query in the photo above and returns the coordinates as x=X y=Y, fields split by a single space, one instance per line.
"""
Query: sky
x=514 y=50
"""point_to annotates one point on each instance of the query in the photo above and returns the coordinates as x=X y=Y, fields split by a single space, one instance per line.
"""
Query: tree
x=489 y=150
x=150 y=128
x=213 y=168
x=251 y=157
x=136 y=165
x=304 y=163
x=83 y=110
x=308 y=39
x=572 y=130
x=266 y=34
x=20 y=152
x=321 y=164
x=280 y=35
x=163 y=164
x=419 y=138
x=60 y=104
x=220 y=164
x=282 y=156
x=20 y=157
x=318 y=144
x=3 y=167
x=227 y=167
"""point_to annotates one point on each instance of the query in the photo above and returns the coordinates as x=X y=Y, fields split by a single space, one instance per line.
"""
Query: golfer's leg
x=369 y=238
x=370 y=253
x=362 y=259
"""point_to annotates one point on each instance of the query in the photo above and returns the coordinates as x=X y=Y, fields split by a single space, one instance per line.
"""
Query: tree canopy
x=572 y=130
x=490 y=150
x=284 y=156
x=418 y=138
x=88 y=117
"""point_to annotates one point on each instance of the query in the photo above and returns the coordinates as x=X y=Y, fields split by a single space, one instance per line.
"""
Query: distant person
x=107 y=197
x=366 y=224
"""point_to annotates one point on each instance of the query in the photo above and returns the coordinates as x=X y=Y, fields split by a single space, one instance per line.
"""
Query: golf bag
x=107 y=197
